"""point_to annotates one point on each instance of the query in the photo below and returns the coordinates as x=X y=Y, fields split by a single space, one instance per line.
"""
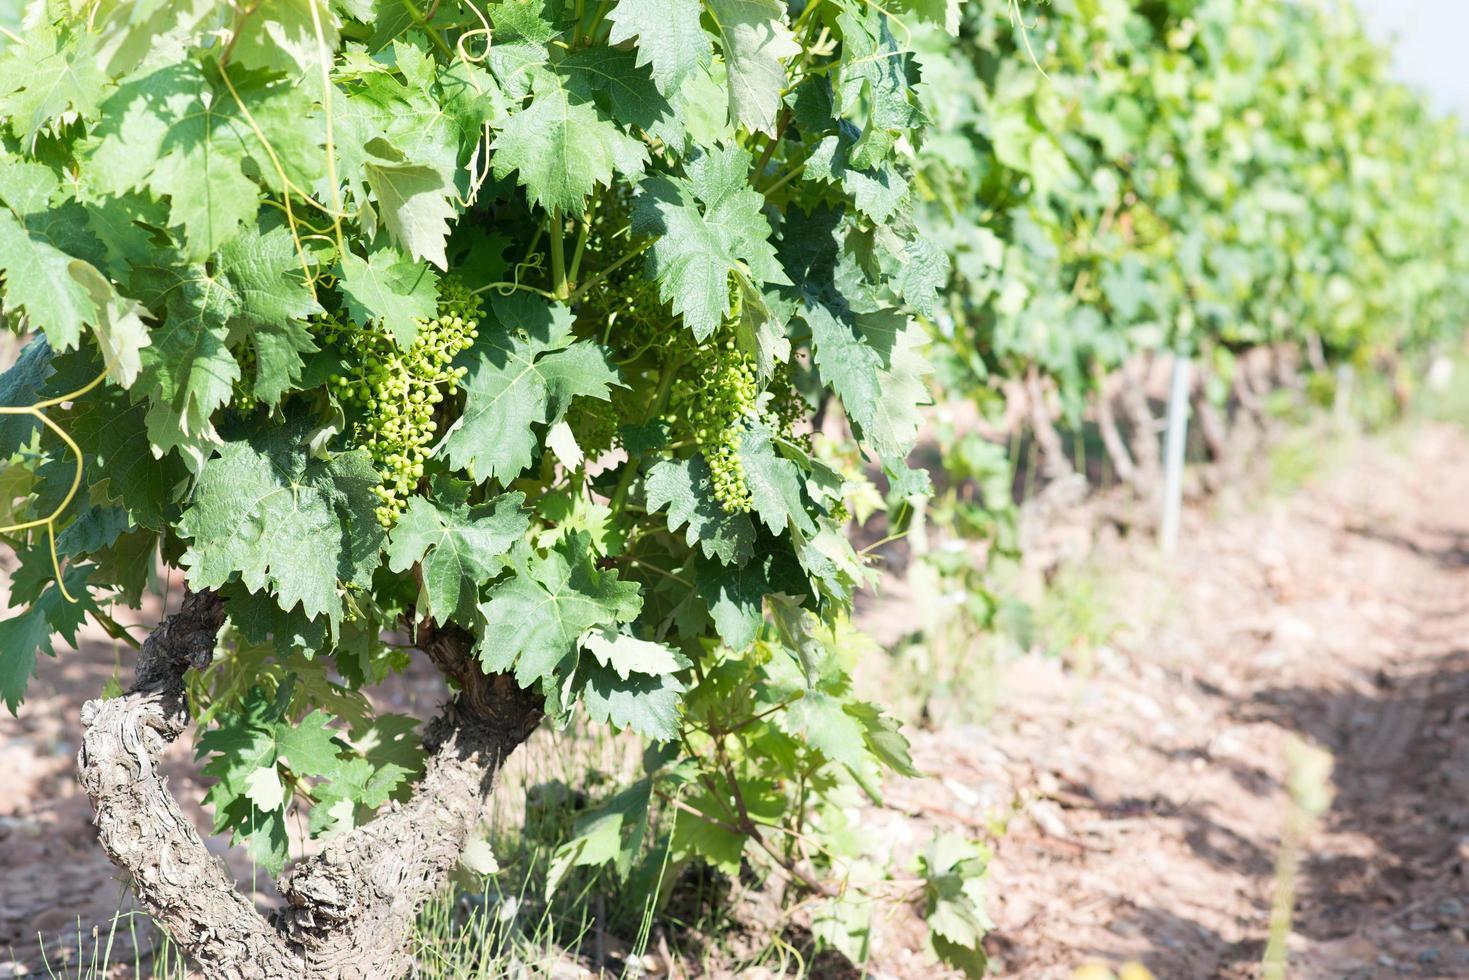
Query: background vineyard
x=600 y=356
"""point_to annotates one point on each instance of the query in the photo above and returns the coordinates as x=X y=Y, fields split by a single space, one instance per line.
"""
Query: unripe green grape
x=395 y=390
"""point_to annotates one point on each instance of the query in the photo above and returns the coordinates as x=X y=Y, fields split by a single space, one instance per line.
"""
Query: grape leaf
x=264 y=270
x=521 y=40
x=631 y=96
x=755 y=42
x=774 y=482
x=21 y=384
x=647 y=704
x=248 y=747
x=45 y=75
x=629 y=655
x=563 y=149
x=32 y=630
x=289 y=36
x=188 y=371
x=118 y=324
x=171 y=131
x=38 y=279
x=669 y=38
x=525 y=370
x=735 y=595
x=114 y=436
x=707 y=227
x=534 y=619
x=268 y=512
x=874 y=88
x=460 y=547
x=686 y=488
x=416 y=205
x=872 y=360
x=390 y=289
x=610 y=833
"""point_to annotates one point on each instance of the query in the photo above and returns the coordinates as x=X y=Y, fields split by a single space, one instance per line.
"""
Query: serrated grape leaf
x=870 y=355
x=188 y=370
x=247 y=746
x=416 y=202
x=95 y=528
x=668 y=36
x=609 y=834
x=459 y=548
x=38 y=280
x=524 y=371
x=923 y=275
x=954 y=871
x=260 y=619
x=268 y=512
x=308 y=747
x=47 y=74
x=351 y=796
x=628 y=655
x=774 y=482
x=114 y=436
x=821 y=721
x=521 y=35
x=389 y=288
x=291 y=36
x=273 y=301
x=562 y=149
x=173 y=132
x=704 y=827
x=534 y=619
x=875 y=85
x=707 y=227
x=263 y=787
x=647 y=704
x=735 y=595
x=118 y=324
x=613 y=80
x=877 y=192
x=755 y=41
x=33 y=629
x=873 y=362
x=686 y=488
x=22 y=384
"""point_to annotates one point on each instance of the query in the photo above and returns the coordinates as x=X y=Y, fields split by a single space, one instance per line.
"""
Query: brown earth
x=1143 y=781
x=1150 y=786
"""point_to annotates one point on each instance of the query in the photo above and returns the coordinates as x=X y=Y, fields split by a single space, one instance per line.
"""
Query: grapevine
x=504 y=358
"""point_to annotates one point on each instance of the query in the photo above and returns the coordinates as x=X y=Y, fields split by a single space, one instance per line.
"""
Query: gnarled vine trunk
x=351 y=906
x=1147 y=454
x=1122 y=461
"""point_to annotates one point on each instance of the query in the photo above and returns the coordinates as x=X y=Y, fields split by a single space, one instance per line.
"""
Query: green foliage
x=514 y=317
x=400 y=320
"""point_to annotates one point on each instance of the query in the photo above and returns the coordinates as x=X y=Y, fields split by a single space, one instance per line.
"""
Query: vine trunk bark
x=350 y=907
x=1146 y=453
x=1112 y=441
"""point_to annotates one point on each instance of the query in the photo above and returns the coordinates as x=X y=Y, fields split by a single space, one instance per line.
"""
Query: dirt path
x=1151 y=793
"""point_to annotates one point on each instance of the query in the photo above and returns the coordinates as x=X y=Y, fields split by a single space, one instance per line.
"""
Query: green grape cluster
x=397 y=392
x=787 y=407
x=722 y=397
x=244 y=396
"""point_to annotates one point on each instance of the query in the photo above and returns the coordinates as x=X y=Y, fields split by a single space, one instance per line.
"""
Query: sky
x=1431 y=45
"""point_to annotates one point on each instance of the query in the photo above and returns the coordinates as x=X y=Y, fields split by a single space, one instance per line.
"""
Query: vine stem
x=558 y=257
x=49 y=521
x=602 y=275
